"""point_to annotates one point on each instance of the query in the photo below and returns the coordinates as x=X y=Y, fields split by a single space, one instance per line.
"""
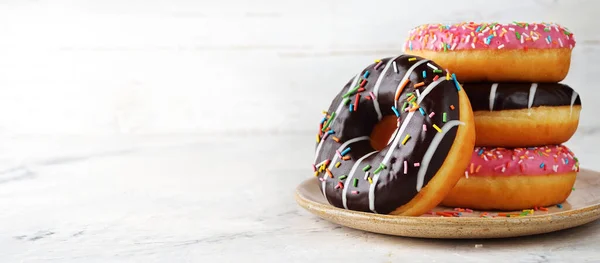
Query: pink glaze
x=469 y=36
x=522 y=161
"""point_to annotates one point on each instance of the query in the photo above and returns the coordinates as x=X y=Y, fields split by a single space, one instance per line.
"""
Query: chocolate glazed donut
x=356 y=176
x=523 y=114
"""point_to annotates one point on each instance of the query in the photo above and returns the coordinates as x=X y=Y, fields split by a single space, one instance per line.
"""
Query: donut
x=395 y=139
x=522 y=52
x=515 y=179
x=523 y=114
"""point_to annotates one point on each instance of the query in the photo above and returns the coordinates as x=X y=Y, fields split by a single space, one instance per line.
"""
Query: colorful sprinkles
x=460 y=212
x=526 y=161
x=465 y=36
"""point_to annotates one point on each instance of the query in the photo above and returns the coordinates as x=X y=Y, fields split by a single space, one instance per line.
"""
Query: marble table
x=212 y=198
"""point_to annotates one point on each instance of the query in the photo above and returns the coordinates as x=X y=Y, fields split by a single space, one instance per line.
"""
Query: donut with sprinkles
x=515 y=178
x=496 y=52
x=395 y=139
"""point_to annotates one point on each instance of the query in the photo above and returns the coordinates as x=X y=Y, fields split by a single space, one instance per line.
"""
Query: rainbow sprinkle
x=381 y=167
x=405 y=139
x=395 y=111
x=455 y=82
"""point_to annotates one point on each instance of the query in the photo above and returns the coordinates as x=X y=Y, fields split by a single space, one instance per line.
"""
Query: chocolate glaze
x=515 y=96
x=393 y=188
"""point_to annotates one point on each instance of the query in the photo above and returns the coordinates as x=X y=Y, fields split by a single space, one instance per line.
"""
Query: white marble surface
x=176 y=131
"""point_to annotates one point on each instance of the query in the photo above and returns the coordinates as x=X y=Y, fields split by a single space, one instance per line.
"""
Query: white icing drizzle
x=351 y=175
x=391 y=148
x=437 y=139
x=378 y=83
x=335 y=157
x=531 y=96
x=339 y=108
x=573 y=98
x=429 y=88
x=407 y=75
x=493 y=95
x=385 y=159
x=392 y=137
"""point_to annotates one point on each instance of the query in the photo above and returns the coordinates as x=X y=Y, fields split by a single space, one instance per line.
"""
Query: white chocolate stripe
x=392 y=147
x=437 y=139
x=335 y=157
x=378 y=83
x=493 y=95
x=339 y=108
x=429 y=88
x=350 y=176
x=532 y=90
x=573 y=98
x=406 y=76
x=388 y=154
x=392 y=137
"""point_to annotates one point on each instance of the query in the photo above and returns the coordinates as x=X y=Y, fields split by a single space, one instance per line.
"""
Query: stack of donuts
x=523 y=115
x=403 y=135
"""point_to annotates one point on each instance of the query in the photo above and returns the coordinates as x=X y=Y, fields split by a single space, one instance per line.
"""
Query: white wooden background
x=122 y=67
x=120 y=119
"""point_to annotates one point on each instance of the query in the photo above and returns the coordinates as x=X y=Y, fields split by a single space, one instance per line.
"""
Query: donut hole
x=383 y=131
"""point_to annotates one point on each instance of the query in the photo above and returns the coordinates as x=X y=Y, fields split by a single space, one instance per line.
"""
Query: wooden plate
x=582 y=206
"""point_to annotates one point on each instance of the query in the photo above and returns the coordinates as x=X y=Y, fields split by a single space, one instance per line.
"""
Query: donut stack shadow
x=523 y=114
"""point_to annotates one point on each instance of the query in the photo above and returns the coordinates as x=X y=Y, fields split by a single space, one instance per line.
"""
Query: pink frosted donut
x=515 y=179
x=538 y=52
